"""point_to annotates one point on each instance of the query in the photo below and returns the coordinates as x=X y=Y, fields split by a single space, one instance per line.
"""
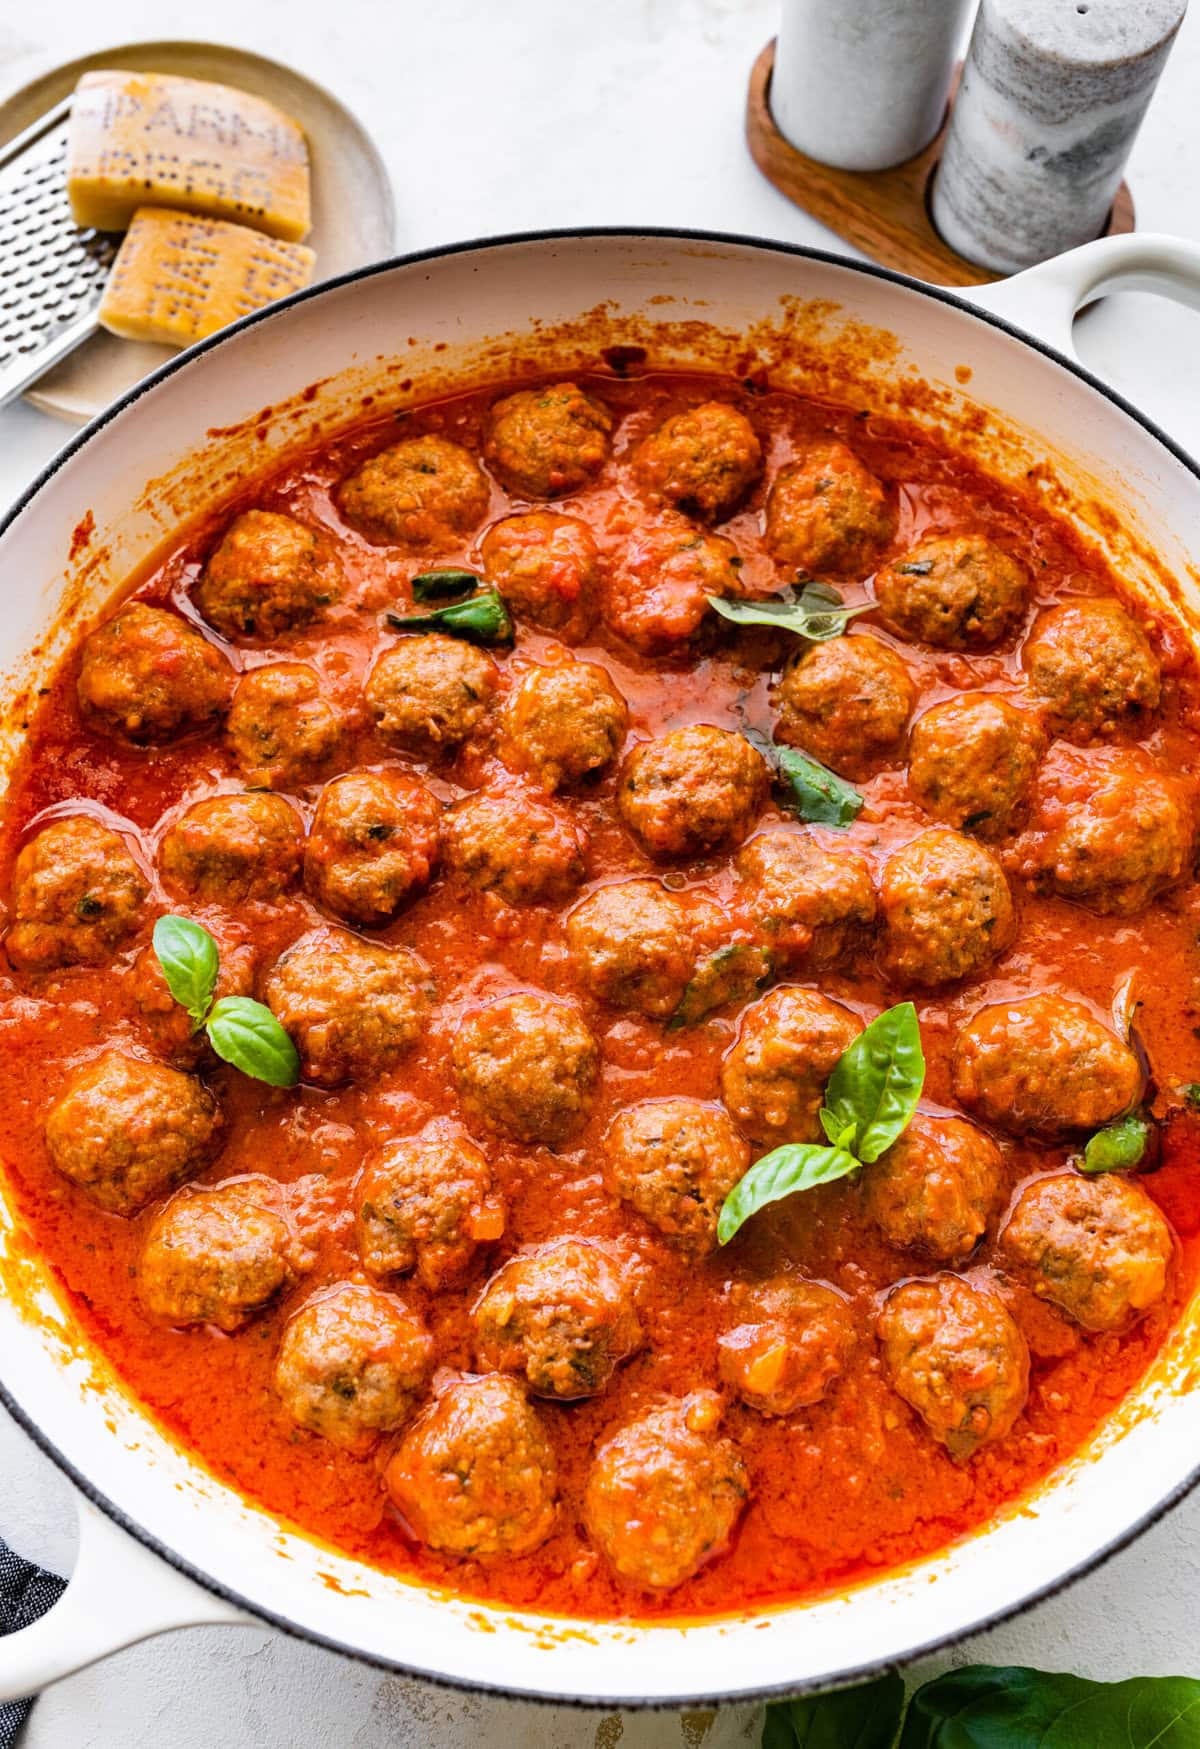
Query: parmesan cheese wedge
x=179 y=277
x=151 y=139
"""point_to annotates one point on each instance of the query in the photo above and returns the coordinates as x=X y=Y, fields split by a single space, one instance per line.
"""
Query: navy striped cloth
x=26 y=1592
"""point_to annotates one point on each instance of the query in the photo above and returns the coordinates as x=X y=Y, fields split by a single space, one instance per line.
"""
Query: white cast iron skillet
x=485 y=310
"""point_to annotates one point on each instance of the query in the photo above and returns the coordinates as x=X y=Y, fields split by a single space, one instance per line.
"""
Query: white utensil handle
x=1045 y=299
x=119 y=1593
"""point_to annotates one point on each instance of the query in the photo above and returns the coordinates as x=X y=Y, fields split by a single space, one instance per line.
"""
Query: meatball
x=543 y=443
x=229 y=850
x=547 y=569
x=665 y=1492
x=353 y=1008
x=521 y=848
x=956 y=1356
x=809 y=904
x=215 y=1256
x=956 y=592
x=773 y=1078
x=827 y=513
x=127 y=1131
x=934 y=1188
x=946 y=909
x=426 y=1203
x=704 y=460
x=675 y=1161
x=352 y=1363
x=1091 y=668
x=422 y=494
x=147 y=676
x=632 y=945
x=692 y=790
x=269 y=575
x=972 y=761
x=474 y=1475
x=429 y=694
x=169 y=1027
x=656 y=595
x=77 y=896
x=562 y=1315
x=846 y=702
x=373 y=845
x=564 y=724
x=791 y=1345
x=526 y=1065
x=1095 y=1246
x=1044 y=1065
x=281 y=731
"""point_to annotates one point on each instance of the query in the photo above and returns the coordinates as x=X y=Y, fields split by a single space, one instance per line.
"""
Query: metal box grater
x=52 y=274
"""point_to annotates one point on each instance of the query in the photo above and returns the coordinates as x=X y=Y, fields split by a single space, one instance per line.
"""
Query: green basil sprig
x=481 y=619
x=817 y=613
x=241 y=1031
x=865 y=1717
x=806 y=787
x=1119 y=1146
x=869 y=1101
x=443 y=582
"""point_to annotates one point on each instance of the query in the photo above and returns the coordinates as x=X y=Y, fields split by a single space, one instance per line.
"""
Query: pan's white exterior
x=464 y=300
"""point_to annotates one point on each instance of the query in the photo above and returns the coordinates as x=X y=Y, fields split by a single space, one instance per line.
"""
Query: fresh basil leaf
x=444 y=581
x=1008 y=1707
x=864 y=1717
x=188 y=956
x=816 y=613
x=245 y=1033
x=812 y=791
x=838 y=1134
x=483 y=619
x=795 y=1166
x=1119 y=1146
x=777 y=1730
x=877 y=1082
x=1191 y=1093
x=731 y=973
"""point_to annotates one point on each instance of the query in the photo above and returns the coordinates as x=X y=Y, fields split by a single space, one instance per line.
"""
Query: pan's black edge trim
x=858 y=1672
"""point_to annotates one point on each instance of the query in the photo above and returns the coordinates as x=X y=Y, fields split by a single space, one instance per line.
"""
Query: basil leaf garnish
x=1119 y=1146
x=817 y=613
x=188 y=956
x=812 y=791
x=782 y=1172
x=876 y=1084
x=984 y=1708
x=1191 y=1093
x=442 y=582
x=731 y=973
x=483 y=619
x=245 y=1033
x=865 y=1717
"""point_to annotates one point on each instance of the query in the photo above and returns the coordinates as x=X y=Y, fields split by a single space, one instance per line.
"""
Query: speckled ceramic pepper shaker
x=1052 y=95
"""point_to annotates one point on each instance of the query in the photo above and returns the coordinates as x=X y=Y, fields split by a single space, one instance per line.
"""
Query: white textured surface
x=498 y=118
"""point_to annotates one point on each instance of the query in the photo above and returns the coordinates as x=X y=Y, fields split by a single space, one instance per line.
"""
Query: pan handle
x=1045 y=299
x=118 y=1593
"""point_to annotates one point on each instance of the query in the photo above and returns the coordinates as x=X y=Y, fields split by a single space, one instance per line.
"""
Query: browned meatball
x=547 y=569
x=956 y=1356
x=656 y=593
x=516 y=845
x=148 y=676
x=353 y=1008
x=429 y=694
x=77 y=896
x=352 y=1363
x=549 y=441
x=269 y=575
x=692 y=790
x=675 y=1161
x=847 y=702
x=827 y=513
x=972 y=761
x=946 y=909
x=791 y=1344
x=424 y=493
x=216 y=1256
x=281 y=731
x=1091 y=668
x=1044 y=1065
x=562 y=1315
x=474 y=1475
x=1095 y=1246
x=564 y=724
x=704 y=460
x=168 y=1026
x=933 y=1190
x=956 y=592
x=665 y=1492
x=773 y=1078
x=229 y=850
x=632 y=944
x=126 y=1131
x=526 y=1065
x=373 y=845
x=426 y=1203
x=810 y=904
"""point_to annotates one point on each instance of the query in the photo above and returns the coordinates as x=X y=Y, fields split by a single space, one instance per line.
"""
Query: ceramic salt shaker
x=863 y=86
x=1052 y=95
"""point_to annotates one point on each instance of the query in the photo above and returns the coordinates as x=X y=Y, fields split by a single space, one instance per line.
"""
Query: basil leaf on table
x=188 y=956
x=864 y=1717
x=443 y=581
x=812 y=791
x=782 y=1172
x=817 y=613
x=245 y=1033
x=876 y=1083
x=481 y=619
x=1119 y=1146
x=1011 y=1707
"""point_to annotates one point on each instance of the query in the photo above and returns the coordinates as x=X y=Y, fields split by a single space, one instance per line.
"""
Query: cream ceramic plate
x=353 y=214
